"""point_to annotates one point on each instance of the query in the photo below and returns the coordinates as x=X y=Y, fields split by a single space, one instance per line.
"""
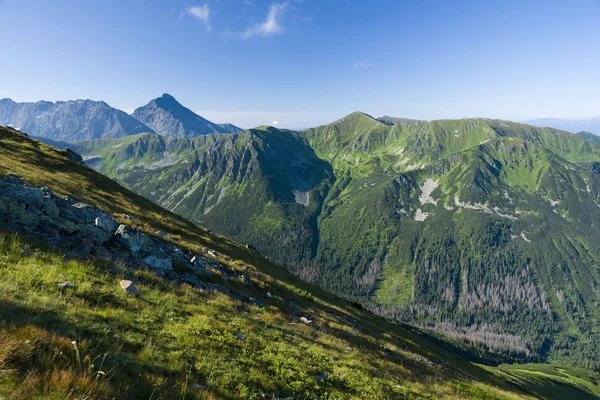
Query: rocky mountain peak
x=168 y=117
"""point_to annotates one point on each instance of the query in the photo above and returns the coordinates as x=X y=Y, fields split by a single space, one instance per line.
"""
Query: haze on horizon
x=306 y=62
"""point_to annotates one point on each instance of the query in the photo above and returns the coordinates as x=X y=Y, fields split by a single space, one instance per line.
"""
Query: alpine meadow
x=330 y=200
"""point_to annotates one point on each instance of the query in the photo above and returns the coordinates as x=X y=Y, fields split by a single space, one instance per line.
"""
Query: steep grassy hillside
x=252 y=186
x=92 y=340
x=481 y=229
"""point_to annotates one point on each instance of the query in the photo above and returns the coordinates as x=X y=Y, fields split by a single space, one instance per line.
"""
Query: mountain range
x=70 y=120
x=482 y=229
x=79 y=120
x=167 y=117
x=574 y=126
x=162 y=308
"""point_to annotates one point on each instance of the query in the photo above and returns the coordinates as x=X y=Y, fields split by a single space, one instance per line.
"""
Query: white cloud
x=272 y=24
x=275 y=123
x=363 y=64
x=201 y=13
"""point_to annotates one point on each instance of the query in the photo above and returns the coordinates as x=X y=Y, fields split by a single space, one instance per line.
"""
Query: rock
x=102 y=252
x=305 y=320
x=192 y=280
x=105 y=222
x=81 y=213
x=81 y=205
x=246 y=280
x=132 y=239
x=69 y=200
x=129 y=217
x=130 y=288
x=85 y=247
x=197 y=261
x=65 y=285
x=256 y=302
x=71 y=155
x=13 y=178
x=160 y=264
x=90 y=232
x=24 y=195
x=203 y=273
x=211 y=253
x=240 y=336
x=46 y=192
x=71 y=255
x=49 y=208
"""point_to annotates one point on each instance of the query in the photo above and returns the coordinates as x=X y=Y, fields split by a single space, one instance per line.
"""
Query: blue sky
x=307 y=62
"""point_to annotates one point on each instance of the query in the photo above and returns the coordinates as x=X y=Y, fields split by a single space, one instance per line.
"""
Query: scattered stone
x=305 y=320
x=196 y=386
x=131 y=238
x=71 y=255
x=46 y=192
x=240 y=336
x=71 y=155
x=102 y=252
x=203 y=273
x=212 y=253
x=65 y=285
x=13 y=178
x=256 y=302
x=105 y=222
x=81 y=205
x=130 y=288
x=160 y=264
x=191 y=279
x=198 y=262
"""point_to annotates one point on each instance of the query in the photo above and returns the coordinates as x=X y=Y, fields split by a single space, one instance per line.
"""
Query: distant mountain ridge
x=79 y=120
x=396 y=121
x=473 y=227
x=69 y=121
x=167 y=117
x=574 y=126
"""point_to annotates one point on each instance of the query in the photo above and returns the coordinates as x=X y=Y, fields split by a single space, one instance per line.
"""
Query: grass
x=95 y=342
x=552 y=380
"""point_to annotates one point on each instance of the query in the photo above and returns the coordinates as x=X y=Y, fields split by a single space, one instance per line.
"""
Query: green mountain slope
x=243 y=338
x=481 y=229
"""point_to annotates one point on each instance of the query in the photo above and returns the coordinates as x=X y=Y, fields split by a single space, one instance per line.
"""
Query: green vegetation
x=481 y=229
x=94 y=341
